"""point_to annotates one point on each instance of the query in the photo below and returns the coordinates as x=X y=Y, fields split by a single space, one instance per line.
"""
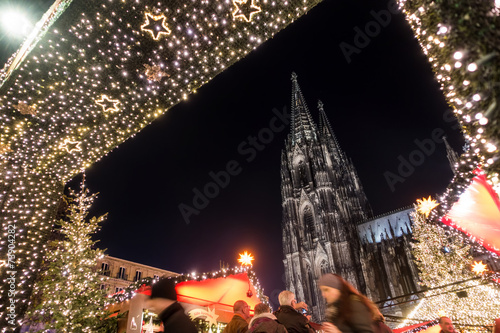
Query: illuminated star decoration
x=70 y=146
x=426 y=205
x=154 y=73
x=478 y=267
x=211 y=317
x=4 y=149
x=25 y=108
x=245 y=9
x=108 y=104
x=245 y=259
x=154 y=26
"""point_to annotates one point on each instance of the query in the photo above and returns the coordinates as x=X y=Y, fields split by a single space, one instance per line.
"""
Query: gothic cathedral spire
x=323 y=202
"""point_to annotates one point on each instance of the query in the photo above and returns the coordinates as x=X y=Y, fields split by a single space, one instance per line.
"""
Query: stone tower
x=323 y=203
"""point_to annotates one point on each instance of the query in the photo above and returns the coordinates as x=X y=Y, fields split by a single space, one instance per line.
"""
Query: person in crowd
x=239 y=322
x=264 y=321
x=379 y=325
x=288 y=316
x=347 y=310
x=446 y=325
x=163 y=302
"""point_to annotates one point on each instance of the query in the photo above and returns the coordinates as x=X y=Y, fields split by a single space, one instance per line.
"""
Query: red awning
x=429 y=329
x=407 y=328
x=220 y=293
x=477 y=213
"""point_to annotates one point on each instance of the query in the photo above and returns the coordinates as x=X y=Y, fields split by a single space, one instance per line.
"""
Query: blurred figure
x=379 y=325
x=446 y=325
x=239 y=323
x=163 y=302
x=264 y=321
x=347 y=310
x=287 y=314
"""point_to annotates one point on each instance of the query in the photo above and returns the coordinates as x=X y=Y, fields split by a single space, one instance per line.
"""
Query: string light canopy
x=455 y=288
x=92 y=75
x=460 y=43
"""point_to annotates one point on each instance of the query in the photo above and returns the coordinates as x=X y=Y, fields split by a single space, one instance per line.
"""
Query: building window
x=118 y=289
x=103 y=286
x=121 y=273
x=138 y=275
x=156 y=277
x=309 y=222
x=105 y=269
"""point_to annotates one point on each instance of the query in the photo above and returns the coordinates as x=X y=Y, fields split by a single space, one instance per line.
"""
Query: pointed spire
x=326 y=131
x=303 y=128
x=451 y=154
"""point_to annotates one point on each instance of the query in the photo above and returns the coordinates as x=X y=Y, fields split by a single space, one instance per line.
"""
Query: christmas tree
x=443 y=257
x=68 y=296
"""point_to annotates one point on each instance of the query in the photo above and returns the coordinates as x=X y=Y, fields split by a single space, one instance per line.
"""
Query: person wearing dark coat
x=286 y=314
x=238 y=323
x=347 y=311
x=264 y=321
x=163 y=301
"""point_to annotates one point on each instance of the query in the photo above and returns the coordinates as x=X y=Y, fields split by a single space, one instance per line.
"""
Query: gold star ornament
x=156 y=25
x=245 y=9
x=425 y=206
x=245 y=259
x=70 y=146
x=108 y=104
x=154 y=73
x=24 y=108
x=478 y=267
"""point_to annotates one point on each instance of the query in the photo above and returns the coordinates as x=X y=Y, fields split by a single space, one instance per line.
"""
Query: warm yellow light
x=108 y=104
x=245 y=9
x=479 y=267
x=155 y=29
x=246 y=259
x=4 y=149
x=426 y=205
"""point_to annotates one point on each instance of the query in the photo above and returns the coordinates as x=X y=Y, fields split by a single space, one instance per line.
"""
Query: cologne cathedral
x=328 y=225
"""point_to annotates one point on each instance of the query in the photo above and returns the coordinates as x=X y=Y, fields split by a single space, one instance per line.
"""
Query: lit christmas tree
x=446 y=269
x=68 y=295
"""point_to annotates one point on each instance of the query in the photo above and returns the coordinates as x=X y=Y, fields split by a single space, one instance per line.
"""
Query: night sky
x=380 y=103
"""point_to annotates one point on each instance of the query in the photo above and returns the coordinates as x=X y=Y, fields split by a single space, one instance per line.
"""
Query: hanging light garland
x=86 y=82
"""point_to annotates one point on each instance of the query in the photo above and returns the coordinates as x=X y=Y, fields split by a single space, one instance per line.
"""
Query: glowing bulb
x=458 y=55
x=472 y=67
x=476 y=97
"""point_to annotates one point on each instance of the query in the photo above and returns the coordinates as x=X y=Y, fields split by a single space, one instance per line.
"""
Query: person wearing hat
x=347 y=310
x=163 y=302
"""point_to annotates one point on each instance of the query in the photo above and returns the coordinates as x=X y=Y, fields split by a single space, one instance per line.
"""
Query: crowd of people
x=347 y=311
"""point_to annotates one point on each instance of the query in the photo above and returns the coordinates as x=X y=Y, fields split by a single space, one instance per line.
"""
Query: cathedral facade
x=328 y=225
